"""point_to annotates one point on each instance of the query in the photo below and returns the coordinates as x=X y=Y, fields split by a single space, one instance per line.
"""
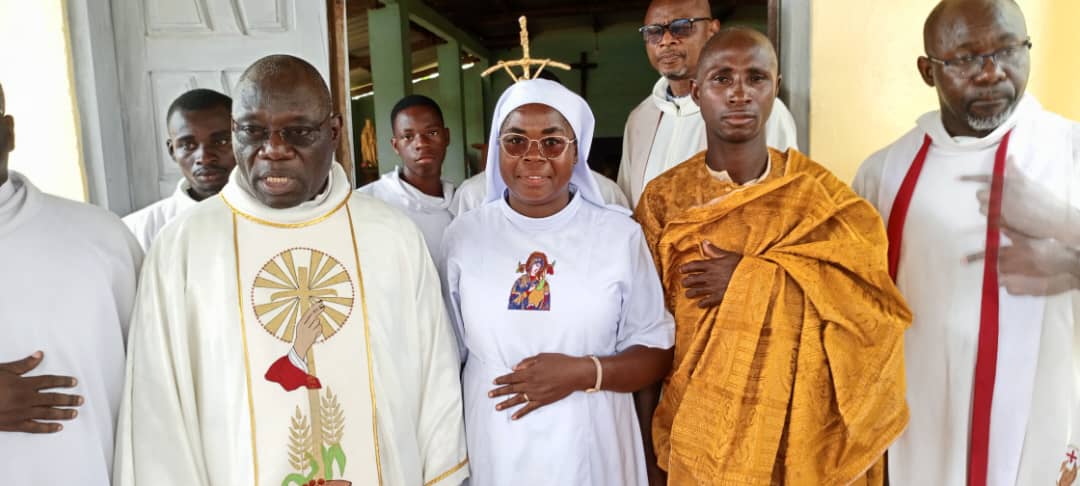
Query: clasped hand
x=707 y=280
x=542 y=380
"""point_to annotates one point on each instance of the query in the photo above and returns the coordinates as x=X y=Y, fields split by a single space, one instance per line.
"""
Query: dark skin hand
x=707 y=280
x=645 y=401
x=549 y=377
x=23 y=405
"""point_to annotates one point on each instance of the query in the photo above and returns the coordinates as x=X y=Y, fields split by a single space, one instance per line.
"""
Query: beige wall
x=36 y=74
x=866 y=91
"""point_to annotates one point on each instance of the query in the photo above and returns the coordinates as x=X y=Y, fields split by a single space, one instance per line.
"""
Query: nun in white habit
x=557 y=304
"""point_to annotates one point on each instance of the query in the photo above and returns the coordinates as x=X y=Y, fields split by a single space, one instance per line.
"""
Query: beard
x=680 y=74
x=679 y=71
x=990 y=123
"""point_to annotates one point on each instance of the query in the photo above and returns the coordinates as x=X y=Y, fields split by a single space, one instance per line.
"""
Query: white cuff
x=296 y=360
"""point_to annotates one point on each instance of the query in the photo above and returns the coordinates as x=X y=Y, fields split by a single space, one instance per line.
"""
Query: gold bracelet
x=599 y=375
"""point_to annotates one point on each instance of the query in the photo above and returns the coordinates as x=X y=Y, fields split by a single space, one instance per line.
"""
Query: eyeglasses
x=296 y=136
x=968 y=66
x=429 y=136
x=679 y=28
x=550 y=147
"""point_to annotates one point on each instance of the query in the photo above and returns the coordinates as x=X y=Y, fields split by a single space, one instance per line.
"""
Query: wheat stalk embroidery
x=300 y=457
x=333 y=429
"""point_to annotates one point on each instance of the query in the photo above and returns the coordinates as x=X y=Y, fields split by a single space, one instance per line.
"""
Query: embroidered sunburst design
x=291 y=282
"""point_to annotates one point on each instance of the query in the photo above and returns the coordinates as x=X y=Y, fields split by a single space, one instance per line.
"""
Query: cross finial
x=526 y=62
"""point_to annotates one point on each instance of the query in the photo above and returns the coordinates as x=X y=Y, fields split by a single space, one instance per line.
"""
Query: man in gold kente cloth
x=789 y=332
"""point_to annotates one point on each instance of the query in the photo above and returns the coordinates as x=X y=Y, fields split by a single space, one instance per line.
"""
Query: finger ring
x=526 y=395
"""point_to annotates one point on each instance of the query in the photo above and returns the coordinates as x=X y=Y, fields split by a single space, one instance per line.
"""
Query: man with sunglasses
x=417 y=188
x=200 y=142
x=290 y=331
x=993 y=354
x=666 y=128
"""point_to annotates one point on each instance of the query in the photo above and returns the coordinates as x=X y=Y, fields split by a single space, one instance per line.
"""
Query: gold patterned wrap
x=798 y=376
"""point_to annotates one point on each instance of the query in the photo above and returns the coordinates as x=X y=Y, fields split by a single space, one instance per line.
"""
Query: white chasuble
x=227 y=384
x=298 y=401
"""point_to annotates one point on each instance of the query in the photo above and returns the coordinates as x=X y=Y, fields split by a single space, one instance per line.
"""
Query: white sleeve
x=451 y=278
x=611 y=192
x=623 y=179
x=441 y=425
x=1075 y=202
x=157 y=437
x=1074 y=433
x=296 y=360
x=456 y=202
x=139 y=225
x=469 y=195
x=645 y=320
x=780 y=130
x=1073 y=219
x=126 y=304
x=868 y=179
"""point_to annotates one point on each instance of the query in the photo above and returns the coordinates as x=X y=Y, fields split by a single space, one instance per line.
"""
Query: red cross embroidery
x=1072 y=456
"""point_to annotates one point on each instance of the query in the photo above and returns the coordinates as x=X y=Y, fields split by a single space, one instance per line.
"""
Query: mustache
x=208 y=170
x=993 y=95
x=263 y=174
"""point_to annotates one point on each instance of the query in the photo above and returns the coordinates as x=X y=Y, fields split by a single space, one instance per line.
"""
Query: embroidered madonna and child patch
x=531 y=290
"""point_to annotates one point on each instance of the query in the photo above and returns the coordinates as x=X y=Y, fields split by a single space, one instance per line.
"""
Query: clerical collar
x=668 y=103
x=671 y=96
x=183 y=193
x=932 y=125
x=240 y=198
x=18 y=202
x=418 y=198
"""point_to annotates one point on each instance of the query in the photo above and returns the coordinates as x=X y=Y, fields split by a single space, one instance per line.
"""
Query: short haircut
x=199 y=99
x=411 y=101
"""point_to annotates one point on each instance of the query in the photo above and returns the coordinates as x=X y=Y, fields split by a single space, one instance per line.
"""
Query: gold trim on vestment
x=448 y=473
x=243 y=335
x=301 y=224
x=367 y=342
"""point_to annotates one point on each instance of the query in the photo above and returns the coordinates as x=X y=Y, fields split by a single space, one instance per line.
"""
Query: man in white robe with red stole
x=993 y=354
x=290 y=331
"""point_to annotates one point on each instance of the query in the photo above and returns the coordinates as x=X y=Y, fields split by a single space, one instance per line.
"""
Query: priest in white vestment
x=416 y=187
x=200 y=142
x=666 y=128
x=67 y=285
x=993 y=376
x=575 y=329
x=290 y=330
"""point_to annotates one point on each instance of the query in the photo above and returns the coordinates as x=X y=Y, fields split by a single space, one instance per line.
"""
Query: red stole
x=986 y=360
